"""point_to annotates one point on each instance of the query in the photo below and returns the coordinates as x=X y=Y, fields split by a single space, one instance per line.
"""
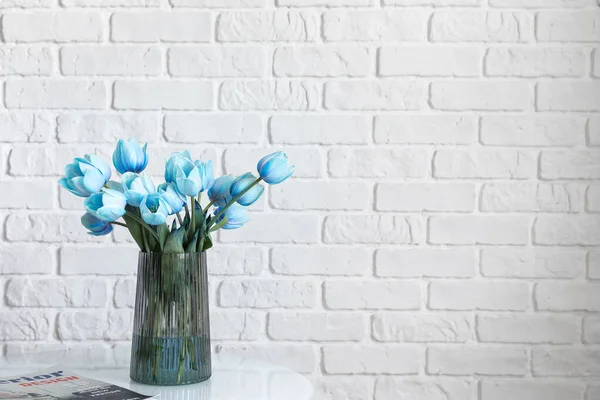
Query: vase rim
x=169 y=254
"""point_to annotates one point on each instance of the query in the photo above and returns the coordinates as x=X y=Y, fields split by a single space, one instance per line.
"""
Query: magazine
x=56 y=384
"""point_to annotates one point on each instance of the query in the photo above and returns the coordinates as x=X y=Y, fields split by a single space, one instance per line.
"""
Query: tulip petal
x=188 y=187
x=102 y=166
x=110 y=213
x=93 y=181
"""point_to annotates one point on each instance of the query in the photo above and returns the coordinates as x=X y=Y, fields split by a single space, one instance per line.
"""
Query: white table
x=232 y=378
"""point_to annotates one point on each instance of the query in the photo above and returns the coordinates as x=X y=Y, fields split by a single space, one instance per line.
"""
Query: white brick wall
x=440 y=239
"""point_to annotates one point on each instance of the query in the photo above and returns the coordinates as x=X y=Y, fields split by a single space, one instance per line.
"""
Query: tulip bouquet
x=145 y=208
x=171 y=333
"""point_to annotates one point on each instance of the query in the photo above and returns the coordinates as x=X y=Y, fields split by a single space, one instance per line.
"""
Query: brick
x=580 y=164
x=269 y=95
x=480 y=360
x=320 y=196
x=219 y=3
x=566 y=362
x=267 y=293
x=124 y=293
x=376 y=95
x=276 y=228
x=479 y=295
x=111 y=60
x=320 y=260
x=107 y=128
x=493 y=390
x=567 y=296
x=488 y=164
x=375 y=295
x=540 y=197
x=371 y=359
x=433 y=3
x=322 y=61
x=425 y=197
x=568 y=96
x=425 y=129
x=211 y=61
x=593 y=265
x=426 y=328
x=504 y=262
x=391 y=388
x=376 y=229
x=47 y=228
x=26 y=3
x=235 y=325
x=41 y=292
x=268 y=26
x=301 y=358
x=375 y=25
x=378 y=163
x=529 y=62
x=24 y=325
x=26 y=194
x=479 y=229
x=596 y=62
x=50 y=26
x=17 y=126
x=593 y=133
x=591 y=330
x=159 y=26
x=308 y=161
x=323 y=3
x=567 y=230
x=568 y=26
x=163 y=94
x=550 y=329
x=342 y=387
x=223 y=260
x=25 y=60
x=433 y=60
x=83 y=260
x=481 y=95
x=319 y=129
x=535 y=131
x=50 y=94
x=317 y=326
x=236 y=128
x=110 y=3
x=425 y=263
x=481 y=26
x=98 y=325
x=47 y=161
x=26 y=259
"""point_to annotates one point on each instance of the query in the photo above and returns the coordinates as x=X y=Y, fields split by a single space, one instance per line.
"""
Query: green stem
x=144 y=225
x=146 y=245
x=179 y=219
x=209 y=205
x=236 y=198
x=193 y=224
x=118 y=223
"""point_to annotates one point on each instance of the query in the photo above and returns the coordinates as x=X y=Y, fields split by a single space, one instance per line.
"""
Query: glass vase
x=171 y=332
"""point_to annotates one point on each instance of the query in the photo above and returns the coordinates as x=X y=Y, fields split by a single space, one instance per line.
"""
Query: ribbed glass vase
x=171 y=332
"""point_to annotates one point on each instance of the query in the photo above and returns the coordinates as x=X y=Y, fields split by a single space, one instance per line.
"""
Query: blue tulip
x=155 y=209
x=130 y=156
x=85 y=176
x=108 y=205
x=96 y=226
x=219 y=192
x=136 y=187
x=275 y=168
x=241 y=184
x=188 y=179
x=208 y=174
x=169 y=193
x=173 y=162
x=237 y=216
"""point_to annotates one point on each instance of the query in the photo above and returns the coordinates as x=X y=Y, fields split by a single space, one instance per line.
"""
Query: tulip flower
x=136 y=187
x=241 y=184
x=169 y=193
x=188 y=178
x=154 y=209
x=173 y=162
x=86 y=176
x=108 y=205
x=236 y=214
x=130 y=156
x=208 y=174
x=219 y=192
x=96 y=226
x=275 y=168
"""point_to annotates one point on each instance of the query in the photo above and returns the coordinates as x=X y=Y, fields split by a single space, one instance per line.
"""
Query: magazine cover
x=60 y=384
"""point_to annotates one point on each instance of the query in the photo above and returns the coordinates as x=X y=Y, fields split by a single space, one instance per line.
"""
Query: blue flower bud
x=130 y=156
x=154 y=209
x=241 y=184
x=236 y=214
x=96 y=226
x=188 y=179
x=108 y=205
x=169 y=193
x=86 y=176
x=136 y=187
x=275 y=168
x=219 y=192
x=173 y=162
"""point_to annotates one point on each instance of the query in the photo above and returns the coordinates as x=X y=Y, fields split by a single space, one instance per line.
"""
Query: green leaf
x=135 y=228
x=163 y=232
x=207 y=243
x=173 y=225
x=191 y=247
x=174 y=244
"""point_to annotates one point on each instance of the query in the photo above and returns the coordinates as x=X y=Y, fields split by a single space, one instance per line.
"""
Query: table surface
x=232 y=379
